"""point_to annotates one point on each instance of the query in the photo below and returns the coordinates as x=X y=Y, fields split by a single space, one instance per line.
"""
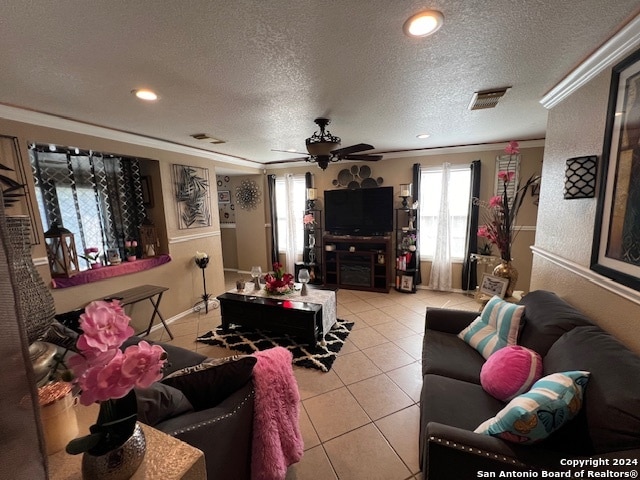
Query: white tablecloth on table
x=326 y=298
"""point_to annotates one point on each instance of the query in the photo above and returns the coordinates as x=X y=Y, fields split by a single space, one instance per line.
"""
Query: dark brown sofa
x=454 y=404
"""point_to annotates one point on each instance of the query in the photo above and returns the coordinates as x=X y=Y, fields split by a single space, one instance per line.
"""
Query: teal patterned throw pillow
x=495 y=328
x=533 y=416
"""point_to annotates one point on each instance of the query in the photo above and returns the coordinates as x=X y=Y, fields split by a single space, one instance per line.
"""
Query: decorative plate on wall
x=248 y=195
x=356 y=177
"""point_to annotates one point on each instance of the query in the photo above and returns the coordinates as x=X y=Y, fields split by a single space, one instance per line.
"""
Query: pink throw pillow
x=510 y=372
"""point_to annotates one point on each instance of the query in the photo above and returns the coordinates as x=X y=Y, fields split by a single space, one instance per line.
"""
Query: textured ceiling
x=257 y=73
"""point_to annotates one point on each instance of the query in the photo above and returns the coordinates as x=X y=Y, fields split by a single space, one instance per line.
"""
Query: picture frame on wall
x=191 y=185
x=616 y=240
x=224 y=196
x=406 y=283
x=492 y=285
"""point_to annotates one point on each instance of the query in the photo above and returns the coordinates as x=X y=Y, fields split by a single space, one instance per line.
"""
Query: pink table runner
x=125 y=268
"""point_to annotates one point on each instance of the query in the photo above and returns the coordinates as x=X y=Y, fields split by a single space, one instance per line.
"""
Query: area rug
x=249 y=341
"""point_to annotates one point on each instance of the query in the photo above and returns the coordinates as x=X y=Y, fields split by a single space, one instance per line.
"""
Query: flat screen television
x=361 y=211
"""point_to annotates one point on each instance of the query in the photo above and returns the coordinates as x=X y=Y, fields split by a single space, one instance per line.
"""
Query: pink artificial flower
x=513 y=148
x=483 y=231
x=505 y=176
x=143 y=363
x=127 y=243
x=103 y=382
x=104 y=325
x=134 y=243
x=495 y=201
x=308 y=218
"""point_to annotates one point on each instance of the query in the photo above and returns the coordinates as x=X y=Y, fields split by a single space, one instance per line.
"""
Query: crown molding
x=52 y=121
x=610 y=53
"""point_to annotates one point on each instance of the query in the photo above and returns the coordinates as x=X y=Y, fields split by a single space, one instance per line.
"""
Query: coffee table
x=291 y=314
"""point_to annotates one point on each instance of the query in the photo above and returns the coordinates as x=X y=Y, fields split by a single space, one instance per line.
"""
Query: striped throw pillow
x=533 y=416
x=495 y=328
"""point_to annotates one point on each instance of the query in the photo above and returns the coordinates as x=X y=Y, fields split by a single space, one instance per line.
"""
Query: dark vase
x=33 y=296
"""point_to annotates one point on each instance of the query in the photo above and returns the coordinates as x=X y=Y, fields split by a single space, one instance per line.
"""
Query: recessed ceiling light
x=145 y=94
x=423 y=23
x=423 y=135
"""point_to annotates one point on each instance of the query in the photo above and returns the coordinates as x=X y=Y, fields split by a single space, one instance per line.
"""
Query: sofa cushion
x=510 y=372
x=495 y=328
x=546 y=318
x=612 y=401
x=160 y=402
x=208 y=383
x=533 y=416
x=446 y=354
x=455 y=402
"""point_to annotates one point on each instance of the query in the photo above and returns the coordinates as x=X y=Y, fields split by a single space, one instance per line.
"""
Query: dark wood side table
x=138 y=294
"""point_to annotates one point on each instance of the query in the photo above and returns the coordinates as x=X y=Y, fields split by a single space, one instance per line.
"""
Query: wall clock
x=248 y=195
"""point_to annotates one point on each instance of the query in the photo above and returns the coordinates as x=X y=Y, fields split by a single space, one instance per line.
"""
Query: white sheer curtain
x=441 y=266
x=291 y=253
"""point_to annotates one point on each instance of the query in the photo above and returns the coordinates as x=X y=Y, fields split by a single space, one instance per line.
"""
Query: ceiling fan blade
x=289 y=151
x=360 y=147
x=365 y=157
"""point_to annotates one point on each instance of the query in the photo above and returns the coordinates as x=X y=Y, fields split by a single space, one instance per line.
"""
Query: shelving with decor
x=312 y=253
x=407 y=255
x=357 y=262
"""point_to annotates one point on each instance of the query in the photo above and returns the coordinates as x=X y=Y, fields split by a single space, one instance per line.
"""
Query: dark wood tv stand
x=358 y=262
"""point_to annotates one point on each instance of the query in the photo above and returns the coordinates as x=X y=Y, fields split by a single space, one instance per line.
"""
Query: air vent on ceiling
x=487 y=98
x=206 y=138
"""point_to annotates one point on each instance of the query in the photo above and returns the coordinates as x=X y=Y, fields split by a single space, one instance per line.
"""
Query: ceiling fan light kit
x=423 y=23
x=322 y=150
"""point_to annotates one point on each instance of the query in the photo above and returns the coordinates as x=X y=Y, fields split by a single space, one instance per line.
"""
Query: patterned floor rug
x=249 y=341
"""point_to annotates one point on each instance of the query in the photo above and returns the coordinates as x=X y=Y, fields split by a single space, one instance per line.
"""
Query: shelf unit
x=407 y=255
x=357 y=263
x=312 y=254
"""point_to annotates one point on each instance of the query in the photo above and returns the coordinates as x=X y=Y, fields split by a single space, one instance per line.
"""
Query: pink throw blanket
x=277 y=441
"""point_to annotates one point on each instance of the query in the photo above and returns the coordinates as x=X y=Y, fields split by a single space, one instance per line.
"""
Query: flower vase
x=117 y=464
x=506 y=270
x=131 y=258
x=95 y=266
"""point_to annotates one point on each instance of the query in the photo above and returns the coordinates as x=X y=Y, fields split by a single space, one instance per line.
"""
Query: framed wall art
x=224 y=196
x=192 y=196
x=616 y=241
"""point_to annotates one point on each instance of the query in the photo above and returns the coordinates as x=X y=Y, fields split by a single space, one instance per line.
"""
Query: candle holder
x=312 y=195
x=405 y=192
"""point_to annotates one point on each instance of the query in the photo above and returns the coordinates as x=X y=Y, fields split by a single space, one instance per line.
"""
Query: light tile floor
x=360 y=420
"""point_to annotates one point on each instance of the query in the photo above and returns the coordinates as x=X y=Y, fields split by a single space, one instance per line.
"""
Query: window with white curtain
x=459 y=197
x=298 y=200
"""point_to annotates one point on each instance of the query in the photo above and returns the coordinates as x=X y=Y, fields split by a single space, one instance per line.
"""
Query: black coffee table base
x=299 y=319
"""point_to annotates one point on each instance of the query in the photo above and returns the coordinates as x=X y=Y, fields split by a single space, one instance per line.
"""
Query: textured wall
x=565 y=227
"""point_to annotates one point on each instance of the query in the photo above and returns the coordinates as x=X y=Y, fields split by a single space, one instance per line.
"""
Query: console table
x=138 y=294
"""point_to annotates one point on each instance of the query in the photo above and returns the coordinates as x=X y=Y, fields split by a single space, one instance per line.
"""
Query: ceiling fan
x=322 y=148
